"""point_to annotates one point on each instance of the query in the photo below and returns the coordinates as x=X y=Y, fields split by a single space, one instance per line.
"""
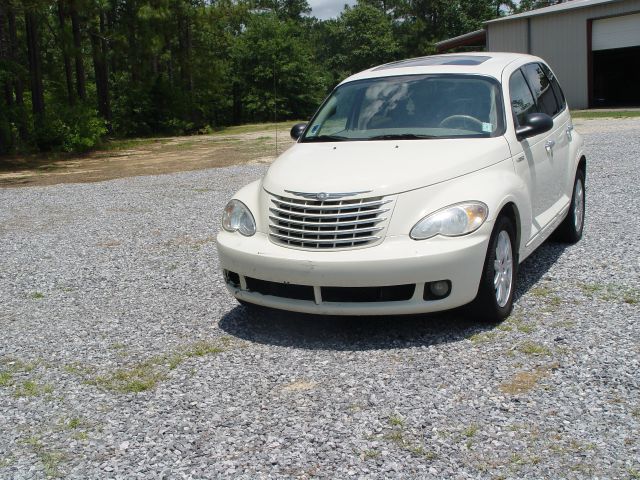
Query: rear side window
x=555 y=86
x=522 y=102
x=541 y=88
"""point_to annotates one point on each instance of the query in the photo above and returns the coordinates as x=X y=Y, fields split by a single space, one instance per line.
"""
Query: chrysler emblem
x=322 y=196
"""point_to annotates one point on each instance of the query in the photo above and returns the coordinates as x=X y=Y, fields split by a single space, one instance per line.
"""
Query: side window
x=522 y=102
x=542 y=89
x=555 y=86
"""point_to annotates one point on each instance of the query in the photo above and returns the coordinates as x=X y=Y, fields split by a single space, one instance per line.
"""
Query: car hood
x=380 y=167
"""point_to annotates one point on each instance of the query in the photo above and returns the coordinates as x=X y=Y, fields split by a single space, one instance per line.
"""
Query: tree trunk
x=18 y=85
x=35 y=66
x=64 y=46
x=237 y=103
x=111 y=26
x=104 y=47
x=77 y=45
x=134 y=60
x=4 y=56
x=185 y=43
x=98 y=50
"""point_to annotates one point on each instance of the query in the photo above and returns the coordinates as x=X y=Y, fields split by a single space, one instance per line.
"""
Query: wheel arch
x=510 y=210
x=582 y=164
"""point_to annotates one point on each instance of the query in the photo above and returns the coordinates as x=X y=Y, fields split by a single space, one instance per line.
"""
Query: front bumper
x=397 y=261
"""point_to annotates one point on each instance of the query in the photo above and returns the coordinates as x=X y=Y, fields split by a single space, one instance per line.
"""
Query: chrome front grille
x=327 y=224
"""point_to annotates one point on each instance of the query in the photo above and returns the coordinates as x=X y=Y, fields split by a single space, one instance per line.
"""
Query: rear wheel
x=497 y=284
x=570 y=230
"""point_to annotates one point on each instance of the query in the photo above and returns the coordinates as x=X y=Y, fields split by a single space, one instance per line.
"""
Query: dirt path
x=237 y=145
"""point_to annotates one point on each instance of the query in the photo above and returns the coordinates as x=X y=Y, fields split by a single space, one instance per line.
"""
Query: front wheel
x=497 y=284
x=570 y=230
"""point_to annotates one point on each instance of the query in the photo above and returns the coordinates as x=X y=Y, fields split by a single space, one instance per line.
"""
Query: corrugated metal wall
x=561 y=39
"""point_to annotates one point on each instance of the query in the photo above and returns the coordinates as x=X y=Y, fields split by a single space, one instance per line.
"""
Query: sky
x=324 y=9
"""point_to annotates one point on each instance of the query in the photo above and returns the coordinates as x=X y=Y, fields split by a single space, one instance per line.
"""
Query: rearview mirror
x=534 y=124
x=297 y=130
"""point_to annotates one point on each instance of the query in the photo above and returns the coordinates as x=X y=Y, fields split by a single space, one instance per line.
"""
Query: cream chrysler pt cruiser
x=418 y=186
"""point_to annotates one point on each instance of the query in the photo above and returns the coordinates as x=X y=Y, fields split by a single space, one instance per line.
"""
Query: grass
x=533 y=348
x=553 y=300
x=541 y=291
x=37 y=295
x=396 y=421
x=74 y=423
x=519 y=324
x=27 y=388
x=202 y=348
x=78 y=369
x=136 y=379
x=470 y=431
x=129 y=143
x=398 y=437
x=564 y=324
x=82 y=436
x=146 y=375
x=605 y=114
x=20 y=366
x=482 y=337
x=258 y=127
x=30 y=388
x=6 y=379
x=50 y=459
x=370 y=454
x=633 y=473
x=523 y=382
x=611 y=292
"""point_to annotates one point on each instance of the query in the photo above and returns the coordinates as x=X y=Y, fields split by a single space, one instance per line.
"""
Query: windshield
x=410 y=107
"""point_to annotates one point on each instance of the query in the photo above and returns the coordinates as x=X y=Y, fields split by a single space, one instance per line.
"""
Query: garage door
x=616 y=32
x=615 y=60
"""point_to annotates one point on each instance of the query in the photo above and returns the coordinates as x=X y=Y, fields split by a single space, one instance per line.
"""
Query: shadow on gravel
x=322 y=332
x=537 y=265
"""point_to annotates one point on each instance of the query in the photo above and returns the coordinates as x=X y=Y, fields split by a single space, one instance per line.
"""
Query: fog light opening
x=437 y=290
x=232 y=278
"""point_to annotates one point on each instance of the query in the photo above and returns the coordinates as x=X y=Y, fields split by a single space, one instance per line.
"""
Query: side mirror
x=534 y=124
x=297 y=130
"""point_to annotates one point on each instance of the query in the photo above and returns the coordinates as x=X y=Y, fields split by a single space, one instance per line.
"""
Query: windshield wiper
x=401 y=136
x=326 y=138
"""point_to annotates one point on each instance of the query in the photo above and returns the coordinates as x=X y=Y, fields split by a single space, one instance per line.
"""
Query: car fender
x=576 y=153
x=496 y=186
x=250 y=196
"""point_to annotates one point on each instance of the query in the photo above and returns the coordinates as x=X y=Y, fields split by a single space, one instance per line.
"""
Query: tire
x=495 y=301
x=570 y=230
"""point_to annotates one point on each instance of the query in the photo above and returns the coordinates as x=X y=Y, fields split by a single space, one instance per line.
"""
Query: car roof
x=478 y=63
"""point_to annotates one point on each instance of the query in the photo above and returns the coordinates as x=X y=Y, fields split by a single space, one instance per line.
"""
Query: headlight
x=452 y=221
x=238 y=218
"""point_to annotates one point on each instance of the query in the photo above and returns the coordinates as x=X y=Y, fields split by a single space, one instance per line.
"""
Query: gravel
x=123 y=356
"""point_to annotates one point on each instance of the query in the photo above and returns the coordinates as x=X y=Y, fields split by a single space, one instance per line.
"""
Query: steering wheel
x=462 y=120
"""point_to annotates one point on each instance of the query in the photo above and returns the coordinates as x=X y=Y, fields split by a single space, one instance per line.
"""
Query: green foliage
x=274 y=63
x=367 y=34
x=168 y=67
x=70 y=129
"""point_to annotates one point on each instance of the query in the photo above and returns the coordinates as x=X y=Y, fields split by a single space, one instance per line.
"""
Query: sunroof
x=436 y=60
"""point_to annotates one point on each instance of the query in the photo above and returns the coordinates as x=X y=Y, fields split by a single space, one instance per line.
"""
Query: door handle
x=569 y=131
x=549 y=145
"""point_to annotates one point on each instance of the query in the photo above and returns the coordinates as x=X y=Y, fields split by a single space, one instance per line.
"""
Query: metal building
x=593 y=46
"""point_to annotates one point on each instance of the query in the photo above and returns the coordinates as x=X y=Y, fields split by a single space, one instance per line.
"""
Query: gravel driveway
x=123 y=356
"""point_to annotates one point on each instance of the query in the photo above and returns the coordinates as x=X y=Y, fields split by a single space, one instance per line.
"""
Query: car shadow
x=359 y=333
x=537 y=265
